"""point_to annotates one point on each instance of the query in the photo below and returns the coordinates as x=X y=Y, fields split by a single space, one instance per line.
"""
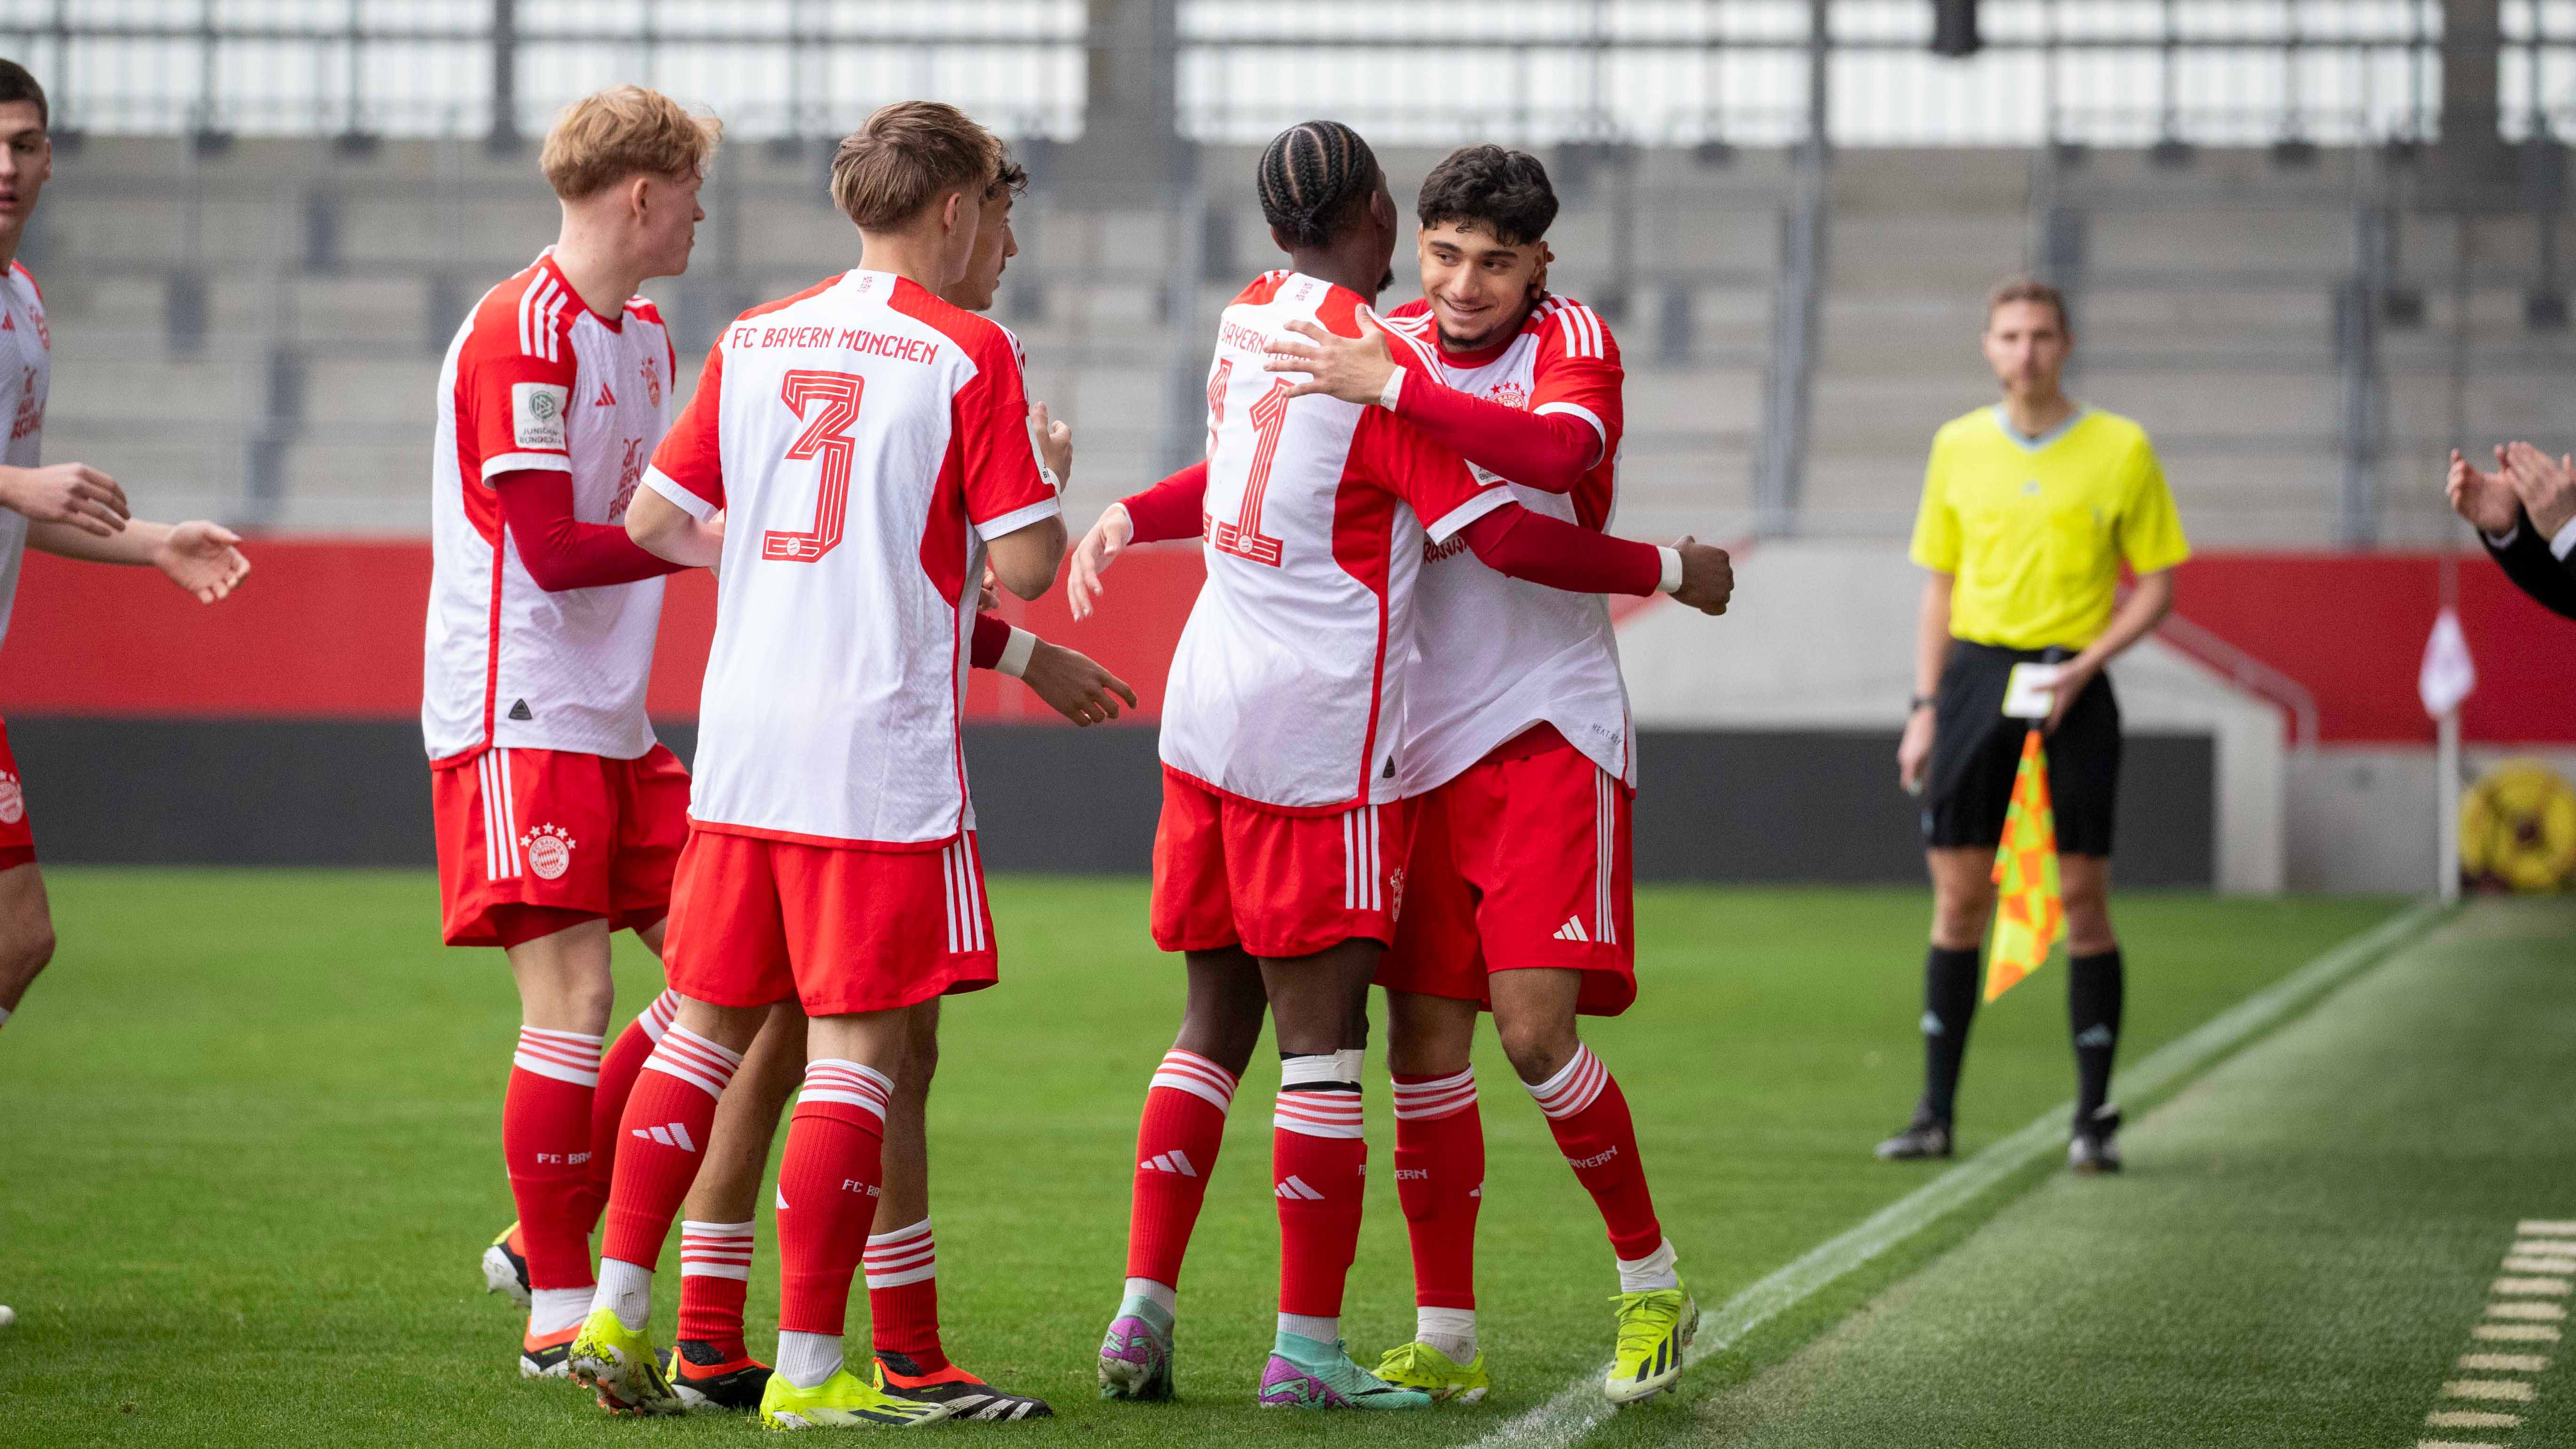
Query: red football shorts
x=17 y=838
x=556 y=830
x=841 y=928
x=1519 y=862
x=1228 y=872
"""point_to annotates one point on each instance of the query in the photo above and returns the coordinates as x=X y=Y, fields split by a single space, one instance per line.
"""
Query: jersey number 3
x=1242 y=536
x=829 y=403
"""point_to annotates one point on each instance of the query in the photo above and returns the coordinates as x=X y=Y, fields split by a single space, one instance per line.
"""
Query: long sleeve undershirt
x=560 y=551
x=1510 y=540
x=1547 y=451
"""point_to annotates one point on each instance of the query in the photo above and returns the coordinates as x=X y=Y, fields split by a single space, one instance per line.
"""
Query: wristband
x=1386 y=395
x=1671 y=583
x=1015 y=655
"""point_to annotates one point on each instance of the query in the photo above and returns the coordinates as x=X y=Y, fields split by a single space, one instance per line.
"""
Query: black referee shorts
x=1976 y=750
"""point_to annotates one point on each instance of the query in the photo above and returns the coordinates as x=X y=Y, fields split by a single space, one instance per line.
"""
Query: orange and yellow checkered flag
x=2030 y=914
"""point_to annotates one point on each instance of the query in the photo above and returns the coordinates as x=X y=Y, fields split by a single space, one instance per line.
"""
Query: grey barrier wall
x=1803 y=805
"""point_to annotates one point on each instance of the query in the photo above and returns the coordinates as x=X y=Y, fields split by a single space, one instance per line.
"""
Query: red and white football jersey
x=1499 y=654
x=535 y=380
x=26 y=374
x=1289 y=685
x=863 y=439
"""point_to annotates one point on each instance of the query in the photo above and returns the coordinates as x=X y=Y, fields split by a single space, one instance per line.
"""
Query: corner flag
x=2030 y=914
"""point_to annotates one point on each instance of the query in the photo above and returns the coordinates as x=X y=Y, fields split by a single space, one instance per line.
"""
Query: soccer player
x=2030 y=507
x=1278 y=865
x=867 y=446
x=70 y=509
x=559 y=818
x=1518 y=758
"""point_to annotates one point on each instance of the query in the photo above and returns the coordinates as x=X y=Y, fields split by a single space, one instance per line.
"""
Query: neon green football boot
x=1420 y=1366
x=1654 y=1328
x=843 y=1401
x=620 y=1364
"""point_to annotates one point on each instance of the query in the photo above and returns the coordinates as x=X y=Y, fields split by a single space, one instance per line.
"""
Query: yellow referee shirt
x=2035 y=531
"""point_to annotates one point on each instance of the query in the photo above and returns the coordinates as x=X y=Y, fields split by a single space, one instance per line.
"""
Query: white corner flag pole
x=2446 y=802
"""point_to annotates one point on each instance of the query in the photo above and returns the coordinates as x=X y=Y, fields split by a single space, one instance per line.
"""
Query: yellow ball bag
x=2518 y=829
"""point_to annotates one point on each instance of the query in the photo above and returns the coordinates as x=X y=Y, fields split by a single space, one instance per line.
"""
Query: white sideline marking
x=2520 y=1363
x=2455 y=1444
x=1575 y=1410
x=2547 y=1227
x=2470 y=1419
x=2546 y=1312
x=2513 y=1389
x=2537 y=1287
x=2519 y=1264
x=2514 y=1333
x=2544 y=1247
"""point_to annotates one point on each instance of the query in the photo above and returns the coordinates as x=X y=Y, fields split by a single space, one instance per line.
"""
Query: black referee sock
x=1949 y=1004
x=2093 y=990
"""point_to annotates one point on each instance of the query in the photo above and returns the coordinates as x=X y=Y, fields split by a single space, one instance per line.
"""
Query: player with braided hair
x=1279 y=861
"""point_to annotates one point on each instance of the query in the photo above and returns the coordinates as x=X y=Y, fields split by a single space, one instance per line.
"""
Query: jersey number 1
x=1243 y=537
x=833 y=398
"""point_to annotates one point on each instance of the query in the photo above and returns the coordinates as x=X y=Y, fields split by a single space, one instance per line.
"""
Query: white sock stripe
x=657 y=1018
x=1318 y=1114
x=693 y=1059
x=829 y=1079
x=900 y=1235
x=690 y=1228
x=716 y=1250
x=1576 y=1086
x=896 y=1260
x=545 y=1067
x=1432 y=1100
x=1179 y=1063
x=898 y=1279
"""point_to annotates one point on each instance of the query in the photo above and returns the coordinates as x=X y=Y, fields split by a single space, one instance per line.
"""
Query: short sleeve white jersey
x=1498 y=655
x=26 y=375
x=1288 y=688
x=863 y=439
x=537 y=381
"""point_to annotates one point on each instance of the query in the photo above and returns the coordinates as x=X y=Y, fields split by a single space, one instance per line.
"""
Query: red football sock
x=715 y=1267
x=1440 y=1181
x=903 y=1295
x=617 y=1078
x=545 y=1144
x=663 y=1138
x=829 y=1180
x=1589 y=1116
x=1318 y=1163
x=1176 y=1146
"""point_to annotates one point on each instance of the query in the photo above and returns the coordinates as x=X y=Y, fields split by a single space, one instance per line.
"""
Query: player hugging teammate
x=1362 y=717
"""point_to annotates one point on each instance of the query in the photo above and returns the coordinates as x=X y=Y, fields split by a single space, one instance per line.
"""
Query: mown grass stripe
x=1576 y=1409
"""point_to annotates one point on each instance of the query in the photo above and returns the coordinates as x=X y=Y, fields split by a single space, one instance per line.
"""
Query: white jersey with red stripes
x=1288 y=688
x=26 y=375
x=864 y=439
x=1498 y=655
x=536 y=381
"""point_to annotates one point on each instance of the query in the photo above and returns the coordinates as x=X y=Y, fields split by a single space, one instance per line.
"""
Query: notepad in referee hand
x=2031 y=690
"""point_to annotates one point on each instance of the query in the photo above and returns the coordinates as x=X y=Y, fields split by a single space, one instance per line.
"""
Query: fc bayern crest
x=549 y=851
x=13 y=801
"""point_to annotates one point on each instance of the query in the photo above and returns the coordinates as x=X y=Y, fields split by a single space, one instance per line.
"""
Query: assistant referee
x=2030 y=507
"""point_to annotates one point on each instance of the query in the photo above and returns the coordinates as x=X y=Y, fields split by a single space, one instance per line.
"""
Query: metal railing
x=1715 y=73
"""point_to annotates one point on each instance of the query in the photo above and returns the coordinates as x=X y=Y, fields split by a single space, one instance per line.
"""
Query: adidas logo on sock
x=1572 y=930
x=1172 y=1161
x=1296 y=1190
x=673 y=1135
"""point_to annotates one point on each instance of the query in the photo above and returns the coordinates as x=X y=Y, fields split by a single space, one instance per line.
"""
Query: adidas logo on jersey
x=606 y=399
x=1172 y=1161
x=672 y=1135
x=519 y=711
x=1296 y=1190
x=1572 y=930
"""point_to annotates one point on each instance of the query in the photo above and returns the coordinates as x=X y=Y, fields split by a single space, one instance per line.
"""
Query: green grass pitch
x=249 y=1155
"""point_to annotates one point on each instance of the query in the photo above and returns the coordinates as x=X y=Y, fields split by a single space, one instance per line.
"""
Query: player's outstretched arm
x=203 y=558
x=1173 y=508
x=1542 y=550
x=1548 y=451
x=73 y=493
x=665 y=530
